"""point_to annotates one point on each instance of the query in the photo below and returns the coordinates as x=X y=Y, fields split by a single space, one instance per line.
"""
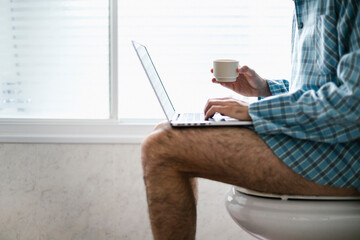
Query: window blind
x=54 y=59
x=184 y=37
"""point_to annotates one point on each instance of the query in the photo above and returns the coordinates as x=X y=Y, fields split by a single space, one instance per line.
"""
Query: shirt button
x=301 y=25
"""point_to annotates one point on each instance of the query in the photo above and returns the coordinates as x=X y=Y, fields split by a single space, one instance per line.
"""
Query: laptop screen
x=154 y=79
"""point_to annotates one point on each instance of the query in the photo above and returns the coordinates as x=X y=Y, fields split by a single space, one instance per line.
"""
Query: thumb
x=246 y=70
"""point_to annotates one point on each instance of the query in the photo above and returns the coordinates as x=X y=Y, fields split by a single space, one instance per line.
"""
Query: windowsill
x=75 y=131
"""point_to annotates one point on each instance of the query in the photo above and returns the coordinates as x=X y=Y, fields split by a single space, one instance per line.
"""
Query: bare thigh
x=232 y=155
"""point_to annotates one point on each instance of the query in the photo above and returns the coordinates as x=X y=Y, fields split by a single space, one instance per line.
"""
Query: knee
x=162 y=126
x=156 y=147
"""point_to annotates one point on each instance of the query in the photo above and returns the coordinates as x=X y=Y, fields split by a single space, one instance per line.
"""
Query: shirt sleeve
x=278 y=86
x=330 y=114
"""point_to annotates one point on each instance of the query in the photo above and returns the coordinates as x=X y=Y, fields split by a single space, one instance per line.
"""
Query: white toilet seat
x=284 y=217
x=294 y=197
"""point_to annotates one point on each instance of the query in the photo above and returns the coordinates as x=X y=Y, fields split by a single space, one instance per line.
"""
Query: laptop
x=178 y=119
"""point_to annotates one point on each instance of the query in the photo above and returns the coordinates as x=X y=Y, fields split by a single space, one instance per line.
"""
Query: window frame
x=112 y=130
x=74 y=131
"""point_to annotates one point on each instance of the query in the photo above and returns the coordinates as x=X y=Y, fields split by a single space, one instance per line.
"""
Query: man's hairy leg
x=173 y=158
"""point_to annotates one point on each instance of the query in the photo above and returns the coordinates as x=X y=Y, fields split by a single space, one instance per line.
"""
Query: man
x=304 y=142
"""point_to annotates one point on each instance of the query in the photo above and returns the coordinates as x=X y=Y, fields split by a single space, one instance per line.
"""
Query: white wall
x=90 y=192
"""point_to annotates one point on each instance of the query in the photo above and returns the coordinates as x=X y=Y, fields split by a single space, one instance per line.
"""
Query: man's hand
x=248 y=83
x=227 y=106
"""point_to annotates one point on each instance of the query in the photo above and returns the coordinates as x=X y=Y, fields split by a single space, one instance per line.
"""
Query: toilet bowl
x=281 y=217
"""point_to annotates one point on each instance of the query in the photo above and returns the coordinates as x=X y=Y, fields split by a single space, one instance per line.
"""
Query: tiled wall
x=89 y=192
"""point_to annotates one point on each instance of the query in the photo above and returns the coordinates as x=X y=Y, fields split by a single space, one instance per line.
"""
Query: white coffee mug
x=225 y=70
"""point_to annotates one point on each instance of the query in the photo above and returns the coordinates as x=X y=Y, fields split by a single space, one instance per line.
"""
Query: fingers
x=214 y=79
x=223 y=110
x=243 y=69
x=215 y=101
x=225 y=106
x=222 y=83
x=229 y=85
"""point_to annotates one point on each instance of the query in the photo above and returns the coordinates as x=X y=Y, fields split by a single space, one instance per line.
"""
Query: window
x=54 y=60
x=68 y=70
x=184 y=37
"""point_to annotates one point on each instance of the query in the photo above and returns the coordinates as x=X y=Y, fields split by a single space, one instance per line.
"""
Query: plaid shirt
x=313 y=124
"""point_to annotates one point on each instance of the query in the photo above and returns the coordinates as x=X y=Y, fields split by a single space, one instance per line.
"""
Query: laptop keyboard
x=192 y=117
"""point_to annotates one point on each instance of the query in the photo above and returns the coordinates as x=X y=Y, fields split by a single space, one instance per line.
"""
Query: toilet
x=282 y=217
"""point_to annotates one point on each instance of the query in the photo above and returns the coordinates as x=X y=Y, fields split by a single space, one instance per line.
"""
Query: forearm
x=329 y=115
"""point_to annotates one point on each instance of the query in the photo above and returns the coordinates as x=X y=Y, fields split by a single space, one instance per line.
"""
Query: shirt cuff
x=278 y=86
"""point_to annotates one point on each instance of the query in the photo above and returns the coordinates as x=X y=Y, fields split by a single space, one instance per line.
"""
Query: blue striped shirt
x=313 y=123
